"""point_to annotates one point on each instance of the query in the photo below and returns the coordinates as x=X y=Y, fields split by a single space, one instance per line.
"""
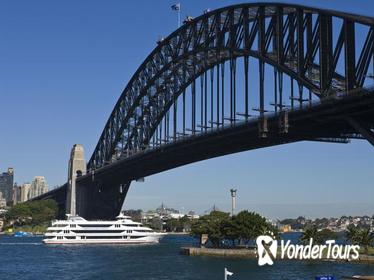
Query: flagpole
x=177 y=7
x=179 y=17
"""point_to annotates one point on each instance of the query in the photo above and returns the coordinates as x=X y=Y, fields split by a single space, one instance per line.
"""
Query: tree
x=171 y=225
x=249 y=225
x=19 y=214
x=182 y=224
x=230 y=230
x=360 y=236
x=311 y=232
x=327 y=234
x=32 y=213
x=212 y=225
x=155 y=223
x=242 y=227
x=365 y=238
x=352 y=234
x=318 y=236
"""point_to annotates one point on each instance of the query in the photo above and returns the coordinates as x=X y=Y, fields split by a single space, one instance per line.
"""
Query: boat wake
x=21 y=243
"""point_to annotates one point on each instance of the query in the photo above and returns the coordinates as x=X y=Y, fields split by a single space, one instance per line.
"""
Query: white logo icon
x=266 y=249
x=228 y=273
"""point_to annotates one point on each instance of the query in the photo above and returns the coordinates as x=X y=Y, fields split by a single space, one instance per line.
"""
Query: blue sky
x=63 y=65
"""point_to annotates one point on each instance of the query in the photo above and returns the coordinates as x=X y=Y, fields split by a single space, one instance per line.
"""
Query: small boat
x=325 y=277
x=358 y=277
x=77 y=230
x=22 y=234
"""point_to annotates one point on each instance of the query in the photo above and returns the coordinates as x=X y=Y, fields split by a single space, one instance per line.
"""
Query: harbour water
x=28 y=258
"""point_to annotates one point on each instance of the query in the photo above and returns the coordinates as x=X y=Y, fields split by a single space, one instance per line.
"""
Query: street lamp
x=233 y=201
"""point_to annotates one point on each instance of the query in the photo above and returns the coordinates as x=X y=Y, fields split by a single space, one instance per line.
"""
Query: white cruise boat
x=76 y=230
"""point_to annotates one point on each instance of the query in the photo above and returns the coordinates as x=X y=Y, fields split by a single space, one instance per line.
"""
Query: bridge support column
x=77 y=167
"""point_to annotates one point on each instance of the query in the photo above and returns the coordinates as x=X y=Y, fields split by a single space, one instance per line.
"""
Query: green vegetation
x=360 y=236
x=318 y=236
x=155 y=224
x=177 y=225
x=239 y=229
x=32 y=216
x=354 y=234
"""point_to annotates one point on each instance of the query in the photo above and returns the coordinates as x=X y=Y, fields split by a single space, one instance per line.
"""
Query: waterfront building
x=2 y=201
x=192 y=215
x=6 y=185
x=286 y=228
x=163 y=210
x=164 y=213
x=16 y=194
x=25 y=192
x=149 y=215
x=175 y=215
x=38 y=186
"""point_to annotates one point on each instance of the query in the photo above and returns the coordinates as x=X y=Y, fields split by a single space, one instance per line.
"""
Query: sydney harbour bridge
x=234 y=79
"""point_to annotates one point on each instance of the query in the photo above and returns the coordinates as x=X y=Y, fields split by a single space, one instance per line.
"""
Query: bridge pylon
x=77 y=167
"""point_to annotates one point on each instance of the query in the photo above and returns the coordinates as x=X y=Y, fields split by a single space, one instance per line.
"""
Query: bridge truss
x=235 y=64
x=234 y=79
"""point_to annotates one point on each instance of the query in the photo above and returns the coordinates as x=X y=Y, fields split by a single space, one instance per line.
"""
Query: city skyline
x=66 y=64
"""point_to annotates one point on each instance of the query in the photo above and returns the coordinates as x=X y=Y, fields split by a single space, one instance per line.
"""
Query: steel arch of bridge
x=296 y=40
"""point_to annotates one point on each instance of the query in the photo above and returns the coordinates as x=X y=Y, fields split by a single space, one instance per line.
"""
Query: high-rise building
x=38 y=186
x=6 y=185
x=2 y=201
x=16 y=198
x=25 y=192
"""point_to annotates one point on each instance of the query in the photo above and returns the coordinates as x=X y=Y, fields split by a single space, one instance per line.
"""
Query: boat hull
x=144 y=240
x=98 y=242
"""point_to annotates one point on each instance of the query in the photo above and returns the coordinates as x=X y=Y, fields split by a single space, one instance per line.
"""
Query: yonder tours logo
x=267 y=250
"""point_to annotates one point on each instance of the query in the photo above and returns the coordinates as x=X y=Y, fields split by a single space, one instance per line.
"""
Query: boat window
x=96 y=225
x=103 y=237
x=73 y=225
x=59 y=225
x=97 y=231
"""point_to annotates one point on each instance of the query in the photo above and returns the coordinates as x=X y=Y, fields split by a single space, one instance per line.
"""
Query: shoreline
x=177 y=233
x=251 y=254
